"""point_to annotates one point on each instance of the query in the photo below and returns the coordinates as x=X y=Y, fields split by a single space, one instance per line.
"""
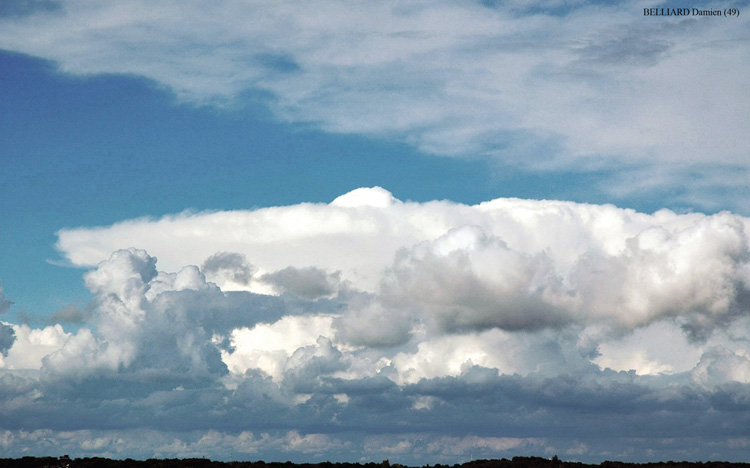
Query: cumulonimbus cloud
x=415 y=280
x=374 y=309
x=506 y=263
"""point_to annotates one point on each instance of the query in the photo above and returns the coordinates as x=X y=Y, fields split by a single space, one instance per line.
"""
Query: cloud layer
x=507 y=263
x=373 y=328
x=540 y=85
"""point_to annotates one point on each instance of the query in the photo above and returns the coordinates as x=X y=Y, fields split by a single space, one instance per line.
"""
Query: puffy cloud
x=507 y=263
x=719 y=365
x=124 y=278
x=696 y=272
x=466 y=280
x=86 y=355
x=228 y=266
x=515 y=286
x=271 y=347
x=31 y=346
x=547 y=353
x=661 y=347
x=368 y=322
x=308 y=283
x=452 y=356
x=155 y=324
x=552 y=317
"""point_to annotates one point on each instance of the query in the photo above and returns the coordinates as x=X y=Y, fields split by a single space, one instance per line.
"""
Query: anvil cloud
x=432 y=315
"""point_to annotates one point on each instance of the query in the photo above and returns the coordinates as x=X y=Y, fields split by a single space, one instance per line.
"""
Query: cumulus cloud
x=440 y=269
x=149 y=323
x=545 y=315
x=7 y=334
x=506 y=263
x=270 y=347
x=308 y=283
x=644 y=92
x=662 y=347
x=32 y=345
x=123 y=278
x=719 y=365
x=466 y=280
x=368 y=322
x=230 y=266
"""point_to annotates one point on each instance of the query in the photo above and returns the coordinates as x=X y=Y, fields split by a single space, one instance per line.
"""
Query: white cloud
x=84 y=355
x=453 y=355
x=507 y=263
x=365 y=238
x=580 y=86
x=150 y=322
x=468 y=280
x=32 y=345
x=270 y=347
x=433 y=286
x=405 y=318
x=521 y=311
x=661 y=347
x=124 y=277
x=719 y=365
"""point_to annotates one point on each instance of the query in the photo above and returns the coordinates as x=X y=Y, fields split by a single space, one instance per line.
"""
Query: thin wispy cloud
x=467 y=80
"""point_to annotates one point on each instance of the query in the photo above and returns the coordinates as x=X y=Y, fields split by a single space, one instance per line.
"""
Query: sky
x=427 y=232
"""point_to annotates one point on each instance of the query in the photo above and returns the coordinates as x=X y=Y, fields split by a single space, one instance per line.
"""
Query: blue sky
x=94 y=150
x=288 y=220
